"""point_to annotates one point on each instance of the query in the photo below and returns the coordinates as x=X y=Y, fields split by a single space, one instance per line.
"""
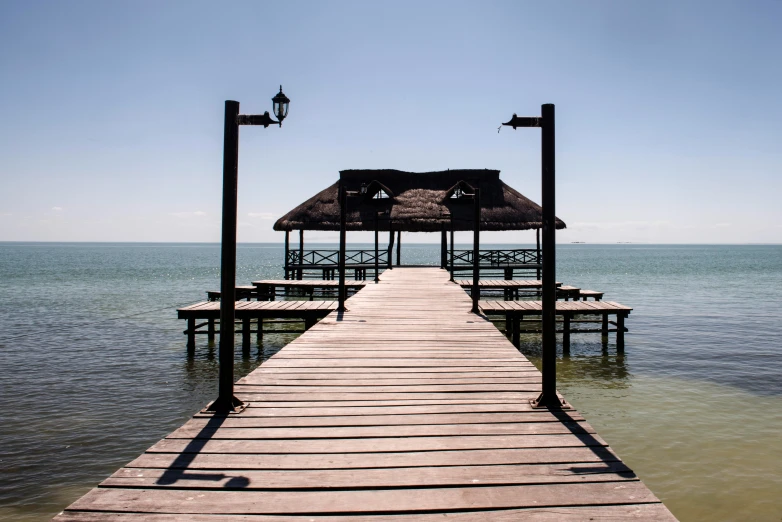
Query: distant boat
x=579 y=242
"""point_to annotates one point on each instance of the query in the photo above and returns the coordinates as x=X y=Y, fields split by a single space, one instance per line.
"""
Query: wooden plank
x=375 y=478
x=652 y=512
x=363 y=501
x=406 y=406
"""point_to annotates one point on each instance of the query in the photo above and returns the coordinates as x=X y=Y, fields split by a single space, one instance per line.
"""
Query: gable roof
x=417 y=202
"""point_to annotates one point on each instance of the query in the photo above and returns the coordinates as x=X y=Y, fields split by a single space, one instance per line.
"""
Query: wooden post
x=259 y=335
x=301 y=253
x=377 y=249
x=309 y=322
x=287 y=250
x=443 y=247
x=604 y=330
x=451 y=247
x=343 y=216
x=548 y=397
x=517 y=330
x=226 y=401
x=476 y=246
x=398 y=248
x=390 y=246
x=620 y=333
x=537 y=238
x=191 y=322
x=210 y=332
x=566 y=333
x=246 y=335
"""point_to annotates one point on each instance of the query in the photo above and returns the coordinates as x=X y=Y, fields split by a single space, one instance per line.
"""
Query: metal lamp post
x=548 y=397
x=226 y=402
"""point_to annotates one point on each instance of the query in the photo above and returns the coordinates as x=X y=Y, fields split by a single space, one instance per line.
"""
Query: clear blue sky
x=669 y=114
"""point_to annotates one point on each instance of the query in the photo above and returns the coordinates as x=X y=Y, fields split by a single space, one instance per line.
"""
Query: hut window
x=380 y=194
x=458 y=193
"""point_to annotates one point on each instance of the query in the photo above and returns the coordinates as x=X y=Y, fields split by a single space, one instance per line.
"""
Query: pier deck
x=408 y=405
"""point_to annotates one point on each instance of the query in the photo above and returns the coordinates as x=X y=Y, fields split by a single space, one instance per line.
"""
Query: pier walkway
x=408 y=407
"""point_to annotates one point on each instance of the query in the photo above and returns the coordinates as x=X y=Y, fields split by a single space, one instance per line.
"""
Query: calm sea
x=93 y=366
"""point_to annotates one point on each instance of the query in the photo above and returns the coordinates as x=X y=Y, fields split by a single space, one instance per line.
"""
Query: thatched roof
x=416 y=202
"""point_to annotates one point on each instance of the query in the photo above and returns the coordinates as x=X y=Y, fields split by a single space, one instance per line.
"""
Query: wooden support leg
x=620 y=333
x=517 y=330
x=191 y=322
x=566 y=333
x=211 y=330
x=260 y=330
x=246 y=335
x=508 y=324
x=604 y=330
x=508 y=274
x=309 y=322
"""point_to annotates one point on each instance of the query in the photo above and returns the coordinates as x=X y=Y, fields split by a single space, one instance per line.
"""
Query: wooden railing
x=496 y=258
x=317 y=258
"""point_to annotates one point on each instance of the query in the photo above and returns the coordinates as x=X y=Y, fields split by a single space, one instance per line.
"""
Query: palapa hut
x=393 y=200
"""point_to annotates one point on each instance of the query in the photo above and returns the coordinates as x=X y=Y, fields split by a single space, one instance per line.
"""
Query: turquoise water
x=94 y=367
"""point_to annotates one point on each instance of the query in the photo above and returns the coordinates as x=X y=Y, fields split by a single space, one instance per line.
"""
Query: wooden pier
x=407 y=407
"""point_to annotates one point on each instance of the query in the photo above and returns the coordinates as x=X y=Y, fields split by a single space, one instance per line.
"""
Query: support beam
x=620 y=333
x=451 y=256
x=398 y=248
x=343 y=214
x=476 y=246
x=390 y=246
x=287 y=250
x=377 y=249
x=301 y=253
x=443 y=247
x=537 y=239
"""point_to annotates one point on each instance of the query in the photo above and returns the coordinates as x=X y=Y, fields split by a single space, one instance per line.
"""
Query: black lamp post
x=226 y=402
x=548 y=397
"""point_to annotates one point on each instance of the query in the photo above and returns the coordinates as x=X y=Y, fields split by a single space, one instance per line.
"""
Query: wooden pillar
x=476 y=246
x=390 y=246
x=246 y=334
x=210 y=330
x=309 y=322
x=620 y=333
x=398 y=248
x=343 y=201
x=443 y=247
x=259 y=334
x=287 y=250
x=537 y=239
x=452 y=247
x=604 y=330
x=377 y=249
x=191 y=322
x=517 y=330
x=508 y=323
x=301 y=253
x=566 y=333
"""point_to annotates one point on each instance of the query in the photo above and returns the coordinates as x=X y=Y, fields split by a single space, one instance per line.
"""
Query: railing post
x=476 y=245
x=342 y=240
x=398 y=248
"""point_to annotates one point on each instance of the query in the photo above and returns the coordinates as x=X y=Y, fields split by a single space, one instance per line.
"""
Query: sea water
x=94 y=370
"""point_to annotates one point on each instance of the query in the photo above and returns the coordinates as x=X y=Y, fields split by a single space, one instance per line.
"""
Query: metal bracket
x=234 y=408
x=524 y=121
x=542 y=403
x=256 y=119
